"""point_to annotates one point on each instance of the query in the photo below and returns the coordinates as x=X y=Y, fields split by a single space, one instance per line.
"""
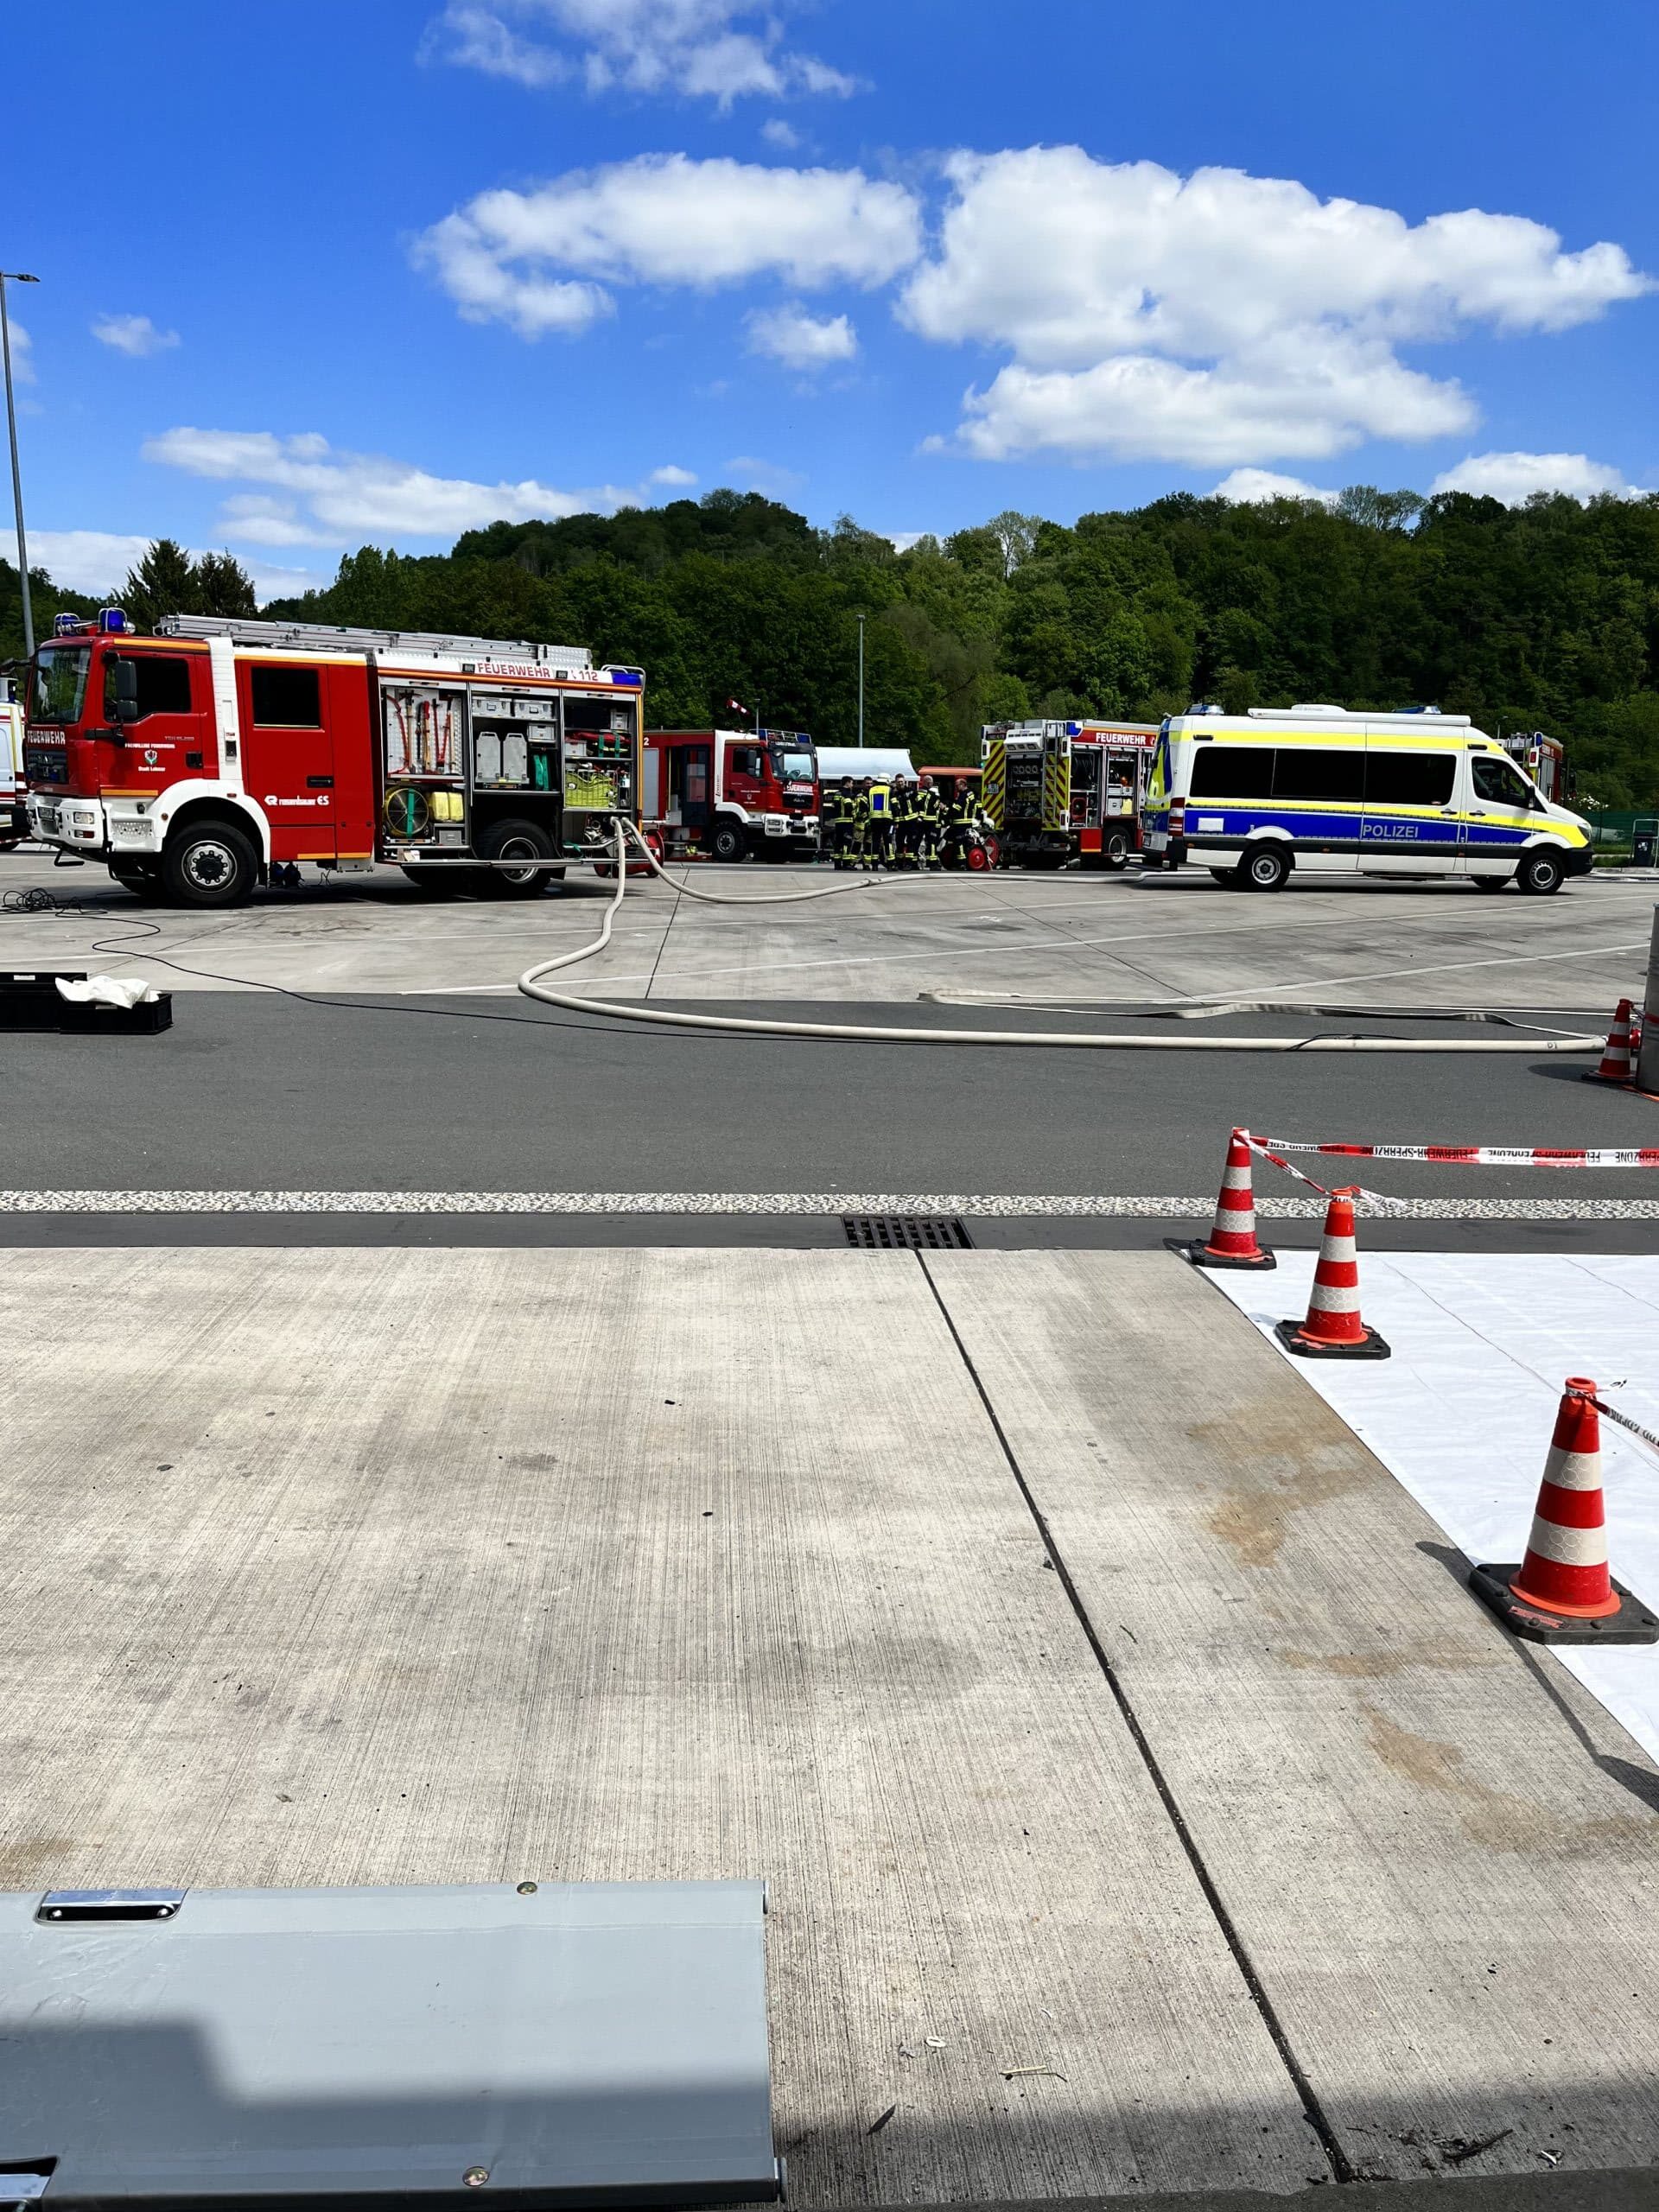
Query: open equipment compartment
x=423 y=750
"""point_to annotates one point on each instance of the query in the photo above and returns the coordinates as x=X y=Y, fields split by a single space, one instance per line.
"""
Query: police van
x=1316 y=789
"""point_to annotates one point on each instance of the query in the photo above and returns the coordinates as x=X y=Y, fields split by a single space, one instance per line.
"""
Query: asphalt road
x=270 y=1092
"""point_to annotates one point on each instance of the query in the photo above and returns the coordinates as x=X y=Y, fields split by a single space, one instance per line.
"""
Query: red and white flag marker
x=1562 y=1592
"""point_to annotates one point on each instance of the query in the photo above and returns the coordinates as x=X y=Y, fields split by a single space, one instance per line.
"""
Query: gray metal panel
x=578 y=2043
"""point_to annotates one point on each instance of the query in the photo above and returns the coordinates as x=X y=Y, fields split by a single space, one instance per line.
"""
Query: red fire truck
x=220 y=752
x=1109 y=765
x=733 y=792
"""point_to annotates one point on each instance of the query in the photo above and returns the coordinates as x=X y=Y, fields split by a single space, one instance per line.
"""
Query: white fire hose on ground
x=868 y=1032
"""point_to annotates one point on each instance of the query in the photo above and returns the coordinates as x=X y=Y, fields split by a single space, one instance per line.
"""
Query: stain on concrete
x=1285 y=1465
x=31 y=1862
x=1496 y=1818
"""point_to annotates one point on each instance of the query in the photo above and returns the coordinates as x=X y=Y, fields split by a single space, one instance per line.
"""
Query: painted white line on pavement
x=989 y=1207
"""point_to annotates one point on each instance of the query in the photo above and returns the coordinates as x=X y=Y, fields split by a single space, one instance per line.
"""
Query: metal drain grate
x=906 y=1232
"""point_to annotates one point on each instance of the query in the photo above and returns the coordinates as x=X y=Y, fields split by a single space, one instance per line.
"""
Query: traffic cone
x=1617 y=1060
x=1232 y=1241
x=1563 y=1593
x=1333 y=1328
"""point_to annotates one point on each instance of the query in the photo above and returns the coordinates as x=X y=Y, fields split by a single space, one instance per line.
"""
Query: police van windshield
x=59 y=683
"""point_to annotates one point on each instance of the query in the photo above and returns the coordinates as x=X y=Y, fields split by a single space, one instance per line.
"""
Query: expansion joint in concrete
x=1342 y=2167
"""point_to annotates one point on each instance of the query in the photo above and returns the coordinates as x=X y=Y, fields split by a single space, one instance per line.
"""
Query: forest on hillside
x=1545 y=616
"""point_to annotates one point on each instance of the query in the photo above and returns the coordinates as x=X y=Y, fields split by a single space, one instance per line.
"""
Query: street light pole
x=17 y=276
x=860 y=677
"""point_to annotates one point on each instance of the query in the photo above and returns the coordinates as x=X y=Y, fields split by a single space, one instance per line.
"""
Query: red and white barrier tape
x=1264 y=1146
x=1467 y=1155
x=1625 y=1421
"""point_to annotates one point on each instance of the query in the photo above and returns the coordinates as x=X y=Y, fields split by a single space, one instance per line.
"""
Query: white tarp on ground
x=1463 y=1412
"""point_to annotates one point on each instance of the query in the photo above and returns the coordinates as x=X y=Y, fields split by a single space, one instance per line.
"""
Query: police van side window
x=1232 y=771
x=1497 y=783
x=1409 y=779
x=1314 y=772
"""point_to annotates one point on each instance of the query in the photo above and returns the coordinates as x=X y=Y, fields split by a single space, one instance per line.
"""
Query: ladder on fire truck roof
x=323 y=637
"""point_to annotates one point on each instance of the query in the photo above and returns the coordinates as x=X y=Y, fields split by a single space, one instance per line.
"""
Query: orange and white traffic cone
x=1334 y=1328
x=1562 y=1592
x=1618 y=1059
x=1232 y=1241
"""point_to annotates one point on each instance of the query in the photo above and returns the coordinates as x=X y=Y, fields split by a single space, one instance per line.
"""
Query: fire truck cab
x=220 y=752
x=735 y=793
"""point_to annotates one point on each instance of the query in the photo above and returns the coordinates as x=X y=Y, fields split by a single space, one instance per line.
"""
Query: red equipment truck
x=733 y=792
x=220 y=753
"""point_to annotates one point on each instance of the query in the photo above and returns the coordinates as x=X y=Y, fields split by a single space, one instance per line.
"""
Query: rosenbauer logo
x=272 y=799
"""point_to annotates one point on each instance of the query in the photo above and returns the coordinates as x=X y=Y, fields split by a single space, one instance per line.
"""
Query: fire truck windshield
x=792 y=766
x=59 y=683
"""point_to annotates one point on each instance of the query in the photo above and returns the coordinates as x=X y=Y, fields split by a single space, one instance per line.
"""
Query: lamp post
x=861 y=676
x=17 y=276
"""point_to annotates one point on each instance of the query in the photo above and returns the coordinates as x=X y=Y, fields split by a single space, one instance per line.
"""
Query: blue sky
x=318 y=276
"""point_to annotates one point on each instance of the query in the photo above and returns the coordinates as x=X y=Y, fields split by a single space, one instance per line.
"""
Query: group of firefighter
x=898 y=821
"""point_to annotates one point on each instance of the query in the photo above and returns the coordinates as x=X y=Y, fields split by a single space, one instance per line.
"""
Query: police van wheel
x=209 y=864
x=1491 y=882
x=1541 y=873
x=1264 y=869
x=1227 y=877
x=729 y=842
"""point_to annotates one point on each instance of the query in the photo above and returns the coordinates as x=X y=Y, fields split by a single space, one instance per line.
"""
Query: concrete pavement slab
x=1443 y=1875
x=374 y=1566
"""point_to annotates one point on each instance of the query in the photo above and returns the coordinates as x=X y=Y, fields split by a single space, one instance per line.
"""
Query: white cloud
x=531 y=258
x=696 y=49
x=800 y=341
x=346 y=496
x=96 y=562
x=678 y=479
x=784 y=135
x=134 y=334
x=22 y=353
x=1220 y=317
x=1253 y=488
x=1308 y=397
x=902 y=540
x=1514 y=477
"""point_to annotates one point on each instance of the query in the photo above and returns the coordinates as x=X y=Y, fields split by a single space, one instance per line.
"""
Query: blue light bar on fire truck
x=113 y=621
x=634 y=676
x=65 y=625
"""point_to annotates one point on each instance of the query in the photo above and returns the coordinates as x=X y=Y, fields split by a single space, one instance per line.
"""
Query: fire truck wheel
x=729 y=842
x=208 y=863
x=1116 y=852
x=515 y=840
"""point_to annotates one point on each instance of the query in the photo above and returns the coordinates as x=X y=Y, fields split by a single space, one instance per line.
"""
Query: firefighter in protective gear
x=879 y=819
x=904 y=821
x=844 y=848
x=926 y=804
x=829 y=820
x=858 y=825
